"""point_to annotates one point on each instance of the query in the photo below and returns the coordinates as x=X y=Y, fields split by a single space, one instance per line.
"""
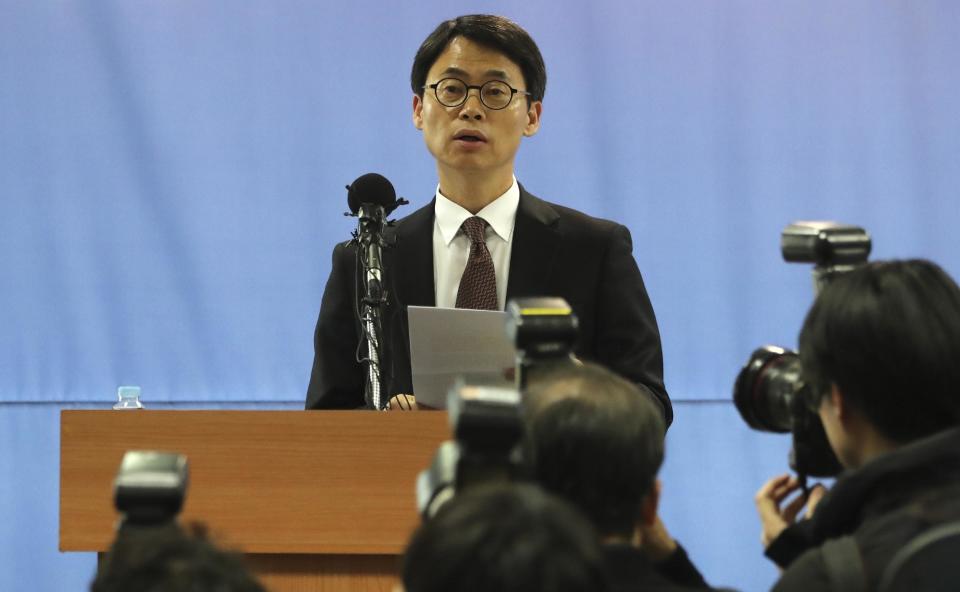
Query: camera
x=487 y=424
x=767 y=389
x=770 y=392
x=771 y=396
x=487 y=421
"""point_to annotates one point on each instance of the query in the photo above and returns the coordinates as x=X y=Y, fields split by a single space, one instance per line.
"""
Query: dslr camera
x=770 y=392
x=487 y=421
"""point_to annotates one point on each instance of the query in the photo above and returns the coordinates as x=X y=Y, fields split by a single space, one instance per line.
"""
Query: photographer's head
x=880 y=349
x=166 y=559
x=504 y=537
x=596 y=440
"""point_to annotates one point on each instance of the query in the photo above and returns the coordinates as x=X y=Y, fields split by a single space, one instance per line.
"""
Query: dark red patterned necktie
x=478 y=286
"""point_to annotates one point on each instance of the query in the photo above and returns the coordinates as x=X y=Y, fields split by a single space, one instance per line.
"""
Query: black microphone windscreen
x=371 y=189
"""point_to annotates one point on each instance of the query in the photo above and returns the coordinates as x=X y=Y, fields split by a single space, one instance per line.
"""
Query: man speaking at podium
x=478 y=84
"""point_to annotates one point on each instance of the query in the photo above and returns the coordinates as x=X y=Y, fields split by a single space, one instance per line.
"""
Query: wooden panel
x=326 y=482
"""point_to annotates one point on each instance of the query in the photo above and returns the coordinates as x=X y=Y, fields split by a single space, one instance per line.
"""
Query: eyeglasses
x=494 y=94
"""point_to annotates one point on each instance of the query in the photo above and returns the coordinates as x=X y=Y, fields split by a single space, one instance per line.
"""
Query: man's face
x=473 y=137
x=836 y=434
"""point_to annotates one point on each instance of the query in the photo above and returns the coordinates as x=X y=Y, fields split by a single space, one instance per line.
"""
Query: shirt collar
x=500 y=214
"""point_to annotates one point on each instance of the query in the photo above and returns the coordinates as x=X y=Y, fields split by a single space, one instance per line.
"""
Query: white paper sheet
x=448 y=343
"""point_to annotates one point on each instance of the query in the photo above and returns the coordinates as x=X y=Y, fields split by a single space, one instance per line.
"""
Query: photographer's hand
x=774 y=518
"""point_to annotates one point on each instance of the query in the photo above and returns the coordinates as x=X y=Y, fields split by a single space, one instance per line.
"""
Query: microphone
x=371 y=197
x=371 y=189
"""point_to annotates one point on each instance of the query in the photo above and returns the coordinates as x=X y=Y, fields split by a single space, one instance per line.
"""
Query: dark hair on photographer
x=888 y=335
x=166 y=559
x=508 y=538
x=495 y=32
x=596 y=440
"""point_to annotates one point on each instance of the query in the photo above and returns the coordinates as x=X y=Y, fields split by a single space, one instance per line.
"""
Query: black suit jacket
x=556 y=251
x=630 y=570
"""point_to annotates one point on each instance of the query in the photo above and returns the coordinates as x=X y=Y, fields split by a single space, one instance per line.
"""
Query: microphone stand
x=373 y=300
x=369 y=241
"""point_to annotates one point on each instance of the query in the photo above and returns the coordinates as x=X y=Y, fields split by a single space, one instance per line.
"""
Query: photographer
x=880 y=351
x=504 y=537
x=152 y=552
x=164 y=558
x=593 y=440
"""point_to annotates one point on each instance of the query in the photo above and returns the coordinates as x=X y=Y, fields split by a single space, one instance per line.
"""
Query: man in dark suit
x=478 y=84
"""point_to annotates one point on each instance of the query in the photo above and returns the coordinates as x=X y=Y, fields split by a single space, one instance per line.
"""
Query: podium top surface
x=338 y=482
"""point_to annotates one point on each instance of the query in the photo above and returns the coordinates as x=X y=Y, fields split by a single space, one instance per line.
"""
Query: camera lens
x=765 y=388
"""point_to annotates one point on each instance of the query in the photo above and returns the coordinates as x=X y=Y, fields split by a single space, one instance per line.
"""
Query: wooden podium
x=317 y=500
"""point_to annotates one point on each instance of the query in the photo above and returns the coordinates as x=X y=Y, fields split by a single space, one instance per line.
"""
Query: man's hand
x=774 y=518
x=402 y=403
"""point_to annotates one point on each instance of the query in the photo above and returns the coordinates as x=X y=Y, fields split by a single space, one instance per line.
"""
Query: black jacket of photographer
x=630 y=570
x=883 y=505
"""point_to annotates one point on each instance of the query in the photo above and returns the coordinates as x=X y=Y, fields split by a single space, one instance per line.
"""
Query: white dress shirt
x=451 y=248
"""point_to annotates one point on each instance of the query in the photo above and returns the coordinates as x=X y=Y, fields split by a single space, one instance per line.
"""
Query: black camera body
x=770 y=392
x=487 y=424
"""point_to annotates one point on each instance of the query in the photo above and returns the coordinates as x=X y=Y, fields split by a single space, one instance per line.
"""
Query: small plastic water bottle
x=128 y=398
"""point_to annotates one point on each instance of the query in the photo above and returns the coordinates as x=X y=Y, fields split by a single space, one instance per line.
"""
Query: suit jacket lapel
x=413 y=259
x=535 y=241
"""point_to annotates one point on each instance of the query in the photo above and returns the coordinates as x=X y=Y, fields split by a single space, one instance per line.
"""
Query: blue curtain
x=172 y=173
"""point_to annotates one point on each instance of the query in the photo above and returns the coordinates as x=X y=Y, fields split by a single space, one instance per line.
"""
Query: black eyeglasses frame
x=479 y=88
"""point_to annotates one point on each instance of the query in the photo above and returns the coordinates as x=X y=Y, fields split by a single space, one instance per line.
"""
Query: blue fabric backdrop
x=171 y=186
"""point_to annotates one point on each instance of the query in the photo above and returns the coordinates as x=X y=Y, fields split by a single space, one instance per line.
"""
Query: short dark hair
x=167 y=559
x=504 y=537
x=596 y=440
x=497 y=33
x=887 y=334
